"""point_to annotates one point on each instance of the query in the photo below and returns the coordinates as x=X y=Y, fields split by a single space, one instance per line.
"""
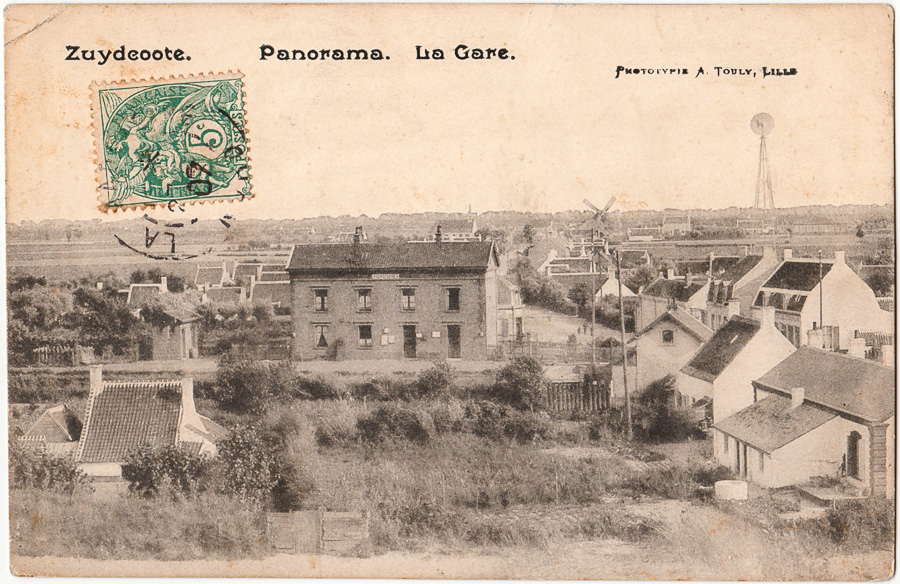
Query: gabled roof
x=373 y=257
x=796 y=274
x=271 y=292
x=209 y=275
x=722 y=348
x=139 y=294
x=226 y=294
x=857 y=387
x=181 y=315
x=770 y=423
x=678 y=289
x=123 y=416
x=50 y=427
x=683 y=319
x=466 y=225
x=740 y=269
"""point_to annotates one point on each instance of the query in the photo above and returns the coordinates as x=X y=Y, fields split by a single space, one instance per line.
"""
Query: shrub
x=247 y=466
x=318 y=388
x=862 y=525
x=448 y=416
x=241 y=385
x=392 y=421
x=384 y=389
x=521 y=384
x=435 y=381
x=526 y=427
x=167 y=468
x=30 y=469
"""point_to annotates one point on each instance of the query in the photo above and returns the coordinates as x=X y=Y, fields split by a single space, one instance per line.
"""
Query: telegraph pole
x=821 y=310
x=624 y=348
x=593 y=305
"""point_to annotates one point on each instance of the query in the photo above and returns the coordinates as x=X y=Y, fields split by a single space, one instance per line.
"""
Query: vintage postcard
x=541 y=292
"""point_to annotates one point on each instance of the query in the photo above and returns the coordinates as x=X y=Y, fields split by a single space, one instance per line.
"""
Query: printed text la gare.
x=461 y=52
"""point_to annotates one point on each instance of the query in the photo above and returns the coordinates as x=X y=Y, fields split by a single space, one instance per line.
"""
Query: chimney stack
x=164 y=284
x=788 y=254
x=767 y=317
x=689 y=278
x=816 y=337
x=733 y=308
x=840 y=257
x=96 y=373
x=797 y=396
x=437 y=234
x=670 y=273
x=858 y=347
x=187 y=398
x=357 y=235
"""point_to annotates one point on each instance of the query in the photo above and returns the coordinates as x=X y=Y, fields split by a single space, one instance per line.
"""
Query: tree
x=167 y=468
x=521 y=384
x=247 y=466
x=580 y=294
x=640 y=277
x=528 y=233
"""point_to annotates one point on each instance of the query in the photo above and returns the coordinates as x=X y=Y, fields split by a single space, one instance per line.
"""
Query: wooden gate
x=318 y=532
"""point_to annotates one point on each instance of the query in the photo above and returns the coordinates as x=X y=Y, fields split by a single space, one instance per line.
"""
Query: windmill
x=762 y=125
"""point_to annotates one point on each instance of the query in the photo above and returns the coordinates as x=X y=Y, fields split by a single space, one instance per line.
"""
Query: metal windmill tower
x=762 y=124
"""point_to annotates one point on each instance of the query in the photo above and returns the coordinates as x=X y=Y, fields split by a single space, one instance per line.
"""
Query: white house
x=122 y=416
x=724 y=368
x=848 y=304
x=739 y=283
x=609 y=286
x=510 y=311
x=666 y=344
x=688 y=293
x=816 y=413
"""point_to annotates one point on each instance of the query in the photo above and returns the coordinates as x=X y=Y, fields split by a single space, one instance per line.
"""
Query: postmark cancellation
x=171 y=142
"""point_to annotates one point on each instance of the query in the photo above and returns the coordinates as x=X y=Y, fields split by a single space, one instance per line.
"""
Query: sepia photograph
x=436 y=291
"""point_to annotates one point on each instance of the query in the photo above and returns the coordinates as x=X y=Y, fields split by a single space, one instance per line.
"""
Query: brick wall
x=431 y=316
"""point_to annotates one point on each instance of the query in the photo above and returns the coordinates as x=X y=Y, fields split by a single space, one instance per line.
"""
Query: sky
x=538 y=133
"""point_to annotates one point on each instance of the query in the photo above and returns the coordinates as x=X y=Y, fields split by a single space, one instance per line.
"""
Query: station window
x=321 y=300
x=408 y=298
x=668 y=337
x=321 y=338
x=365 y=336
x=452 y=298
x=364 y=300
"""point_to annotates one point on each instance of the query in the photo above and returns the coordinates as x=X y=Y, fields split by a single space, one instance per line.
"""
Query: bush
x=247 y=466
x=862 y=525
x=166 y=468
x=525 y=427
x=521 y=384
x=384 y=389
x=392 y=421
x=434 y=382
x=317 y=388
x=38 y=470
x=241 y=386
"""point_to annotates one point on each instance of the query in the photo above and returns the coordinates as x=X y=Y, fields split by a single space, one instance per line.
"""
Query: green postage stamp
x=175 y=141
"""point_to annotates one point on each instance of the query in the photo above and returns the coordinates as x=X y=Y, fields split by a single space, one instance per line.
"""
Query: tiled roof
x=246 y=270
x=683 y=319
x=272 y=267
x=225 y=294
x=50 y=426
x=271 y=292
x=123 y=416
x=209 y=275
x=367 y=257
x=181 y=315
x=857 y=387
x=678 y=289
x=139 y=294
x=721 y=349
x=281 y=276
x=770 y=423
x=876 y=338
x=740 y=269
x=455 y=225
x=798 y=275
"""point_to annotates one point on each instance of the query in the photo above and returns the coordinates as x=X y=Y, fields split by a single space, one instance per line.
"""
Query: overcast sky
x=539 y=133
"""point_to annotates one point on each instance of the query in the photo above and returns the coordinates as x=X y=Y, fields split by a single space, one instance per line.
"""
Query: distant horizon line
x=611 y=212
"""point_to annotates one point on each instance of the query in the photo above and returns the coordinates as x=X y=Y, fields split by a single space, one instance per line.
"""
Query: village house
x=724 y=368
x=644 y=233
x=676 y=224
x=465 y=229
x=210 y=275
x=510 y=311
x=122 y=416
x=415 y=300
x=634 y=258
x=175 y=335
x=55 y=432
x=140 y=294
x=815 y=414
x=666 y=344
x=848 y=303
x=276 y=294
x=231 y=295
x=734 y=291
x=688 y=293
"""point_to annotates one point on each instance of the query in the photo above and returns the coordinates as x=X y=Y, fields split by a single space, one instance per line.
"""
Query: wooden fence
x=62 y=355
x=319 y=532
x=577 y=397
